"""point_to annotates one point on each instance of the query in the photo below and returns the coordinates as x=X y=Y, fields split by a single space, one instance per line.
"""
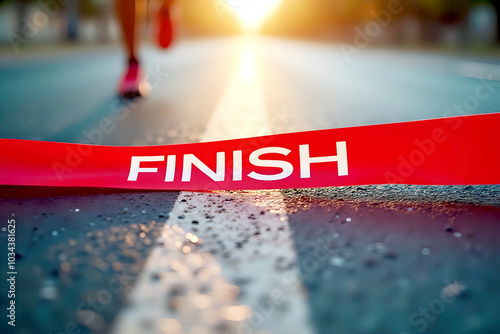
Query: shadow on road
x=382 y=266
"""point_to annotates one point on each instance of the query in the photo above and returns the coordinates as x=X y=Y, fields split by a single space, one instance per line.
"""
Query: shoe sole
x=131 y=95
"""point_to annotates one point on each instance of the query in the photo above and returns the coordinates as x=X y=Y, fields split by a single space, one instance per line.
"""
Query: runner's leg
x=163 y=29
x=131 y=14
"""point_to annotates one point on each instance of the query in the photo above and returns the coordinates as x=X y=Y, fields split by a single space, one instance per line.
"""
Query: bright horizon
x=252 y=13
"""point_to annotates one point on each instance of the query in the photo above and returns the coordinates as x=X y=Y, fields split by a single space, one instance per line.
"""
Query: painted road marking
x=211 y=239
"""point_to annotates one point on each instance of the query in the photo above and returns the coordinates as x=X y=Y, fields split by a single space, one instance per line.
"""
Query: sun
x=252 y=13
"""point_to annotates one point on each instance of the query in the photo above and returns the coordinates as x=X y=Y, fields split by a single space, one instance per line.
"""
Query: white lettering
x=170 y=174
x=306 y=160
x=286 y=167
x=191 y=159
x=237 y=165
x=135 y=167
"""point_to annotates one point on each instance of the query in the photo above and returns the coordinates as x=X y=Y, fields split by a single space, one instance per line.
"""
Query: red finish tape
x=447 y=151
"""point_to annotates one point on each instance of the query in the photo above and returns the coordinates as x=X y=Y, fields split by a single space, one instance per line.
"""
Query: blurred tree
x=444 y=11
x=21 y=10
x=496 y=5
x=71 y=14
x=90 y=7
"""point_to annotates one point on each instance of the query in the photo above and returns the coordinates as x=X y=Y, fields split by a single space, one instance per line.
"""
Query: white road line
x=214 y=238
x=477 y=70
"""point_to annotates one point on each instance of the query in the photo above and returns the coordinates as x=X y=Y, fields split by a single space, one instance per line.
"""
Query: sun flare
x=252 y=13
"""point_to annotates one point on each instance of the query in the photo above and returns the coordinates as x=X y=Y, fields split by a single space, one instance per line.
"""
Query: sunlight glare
x=252 y=13
x=247 y=64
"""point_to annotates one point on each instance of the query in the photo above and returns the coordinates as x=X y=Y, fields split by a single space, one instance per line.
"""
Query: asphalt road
x=372 y=259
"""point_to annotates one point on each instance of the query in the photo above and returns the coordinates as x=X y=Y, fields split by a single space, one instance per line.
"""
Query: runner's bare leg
x=131 y=14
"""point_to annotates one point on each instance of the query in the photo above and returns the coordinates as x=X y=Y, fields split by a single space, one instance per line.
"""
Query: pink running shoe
x=164 y=31
x=134 y=83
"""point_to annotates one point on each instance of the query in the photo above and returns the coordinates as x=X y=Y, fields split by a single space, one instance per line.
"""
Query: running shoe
x=164 y=32
x=134 y=83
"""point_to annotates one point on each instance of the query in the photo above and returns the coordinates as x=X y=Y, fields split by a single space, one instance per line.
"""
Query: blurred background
x=454 y=24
